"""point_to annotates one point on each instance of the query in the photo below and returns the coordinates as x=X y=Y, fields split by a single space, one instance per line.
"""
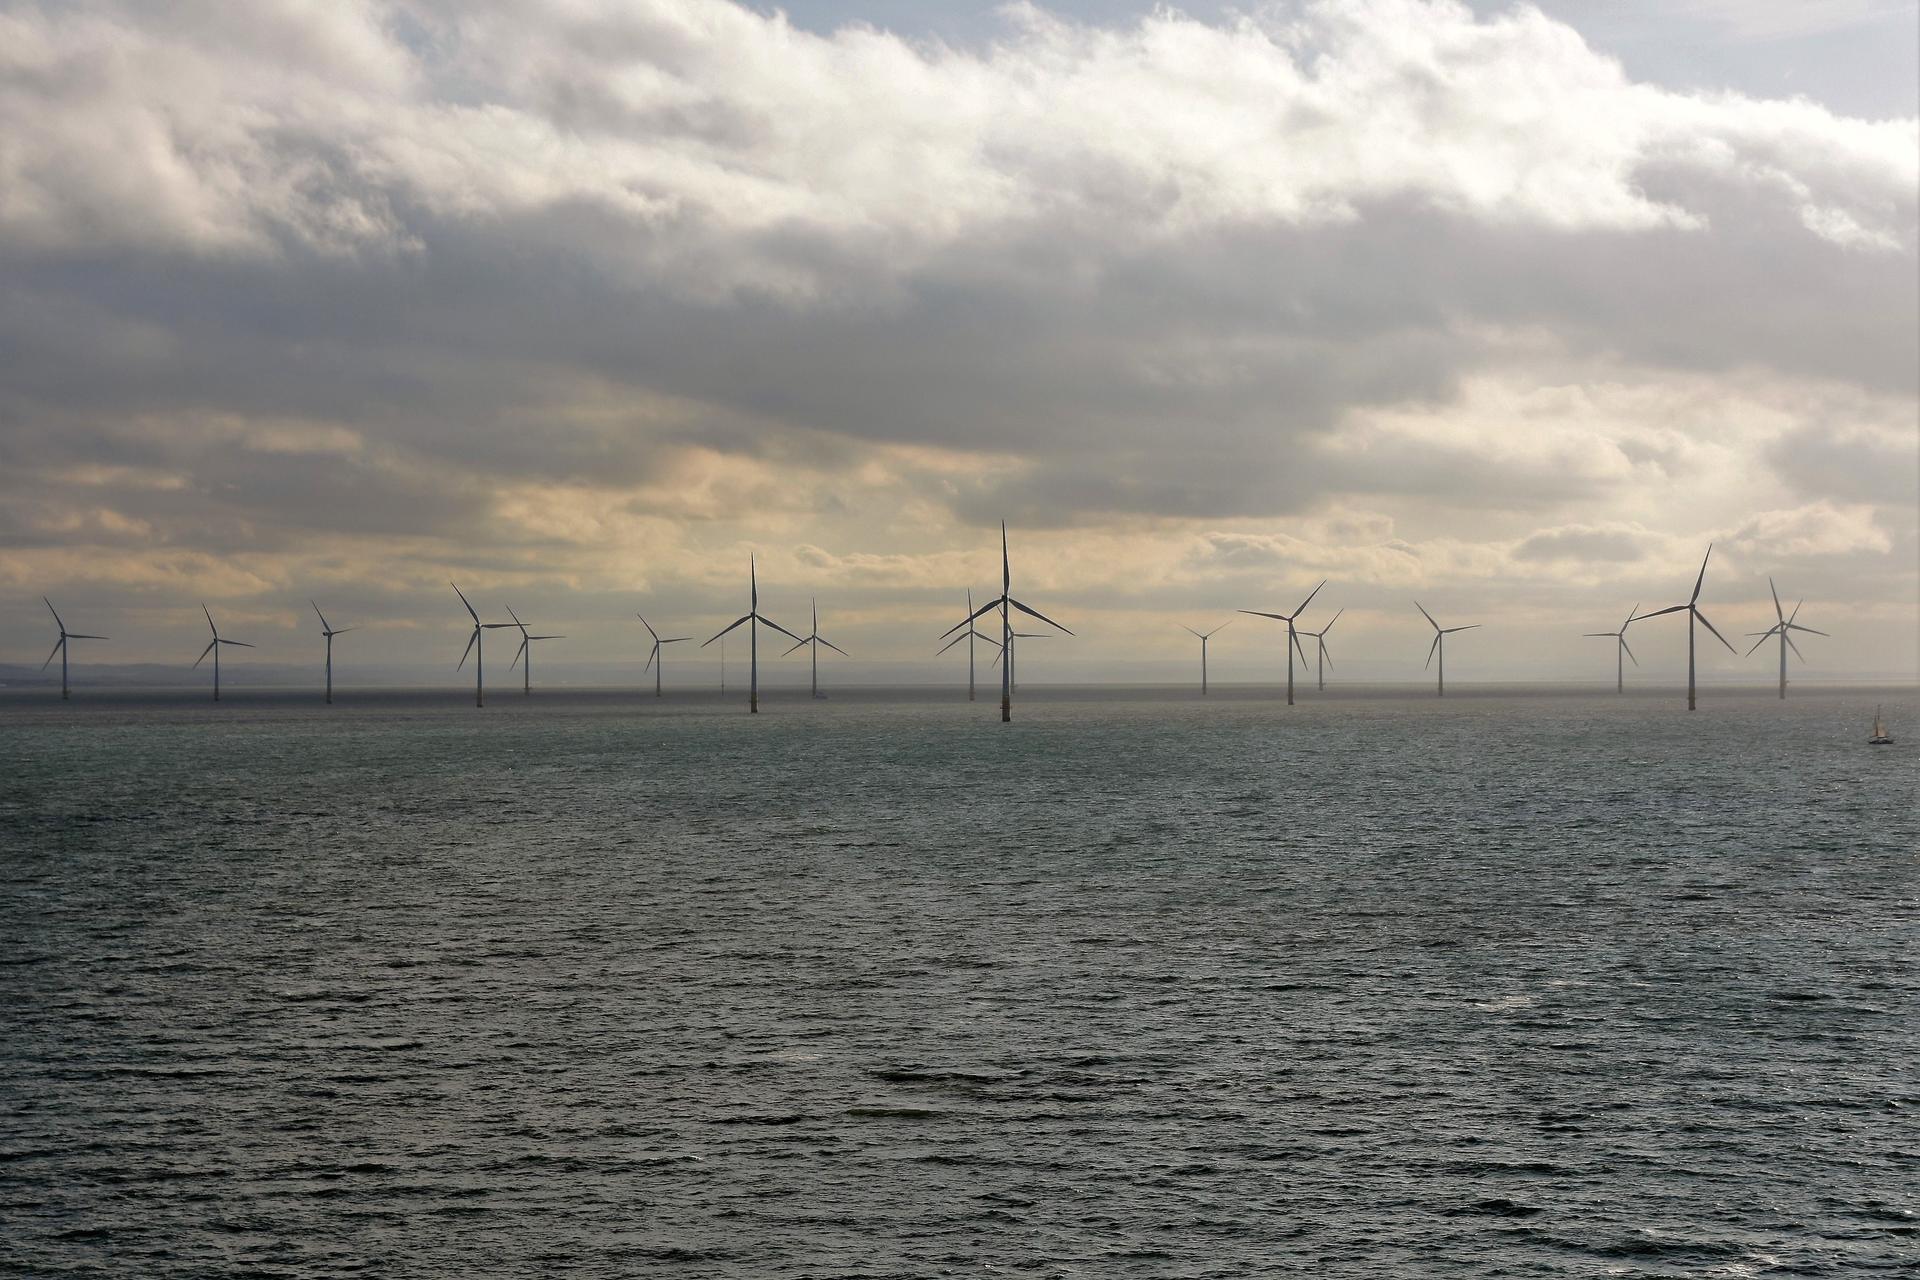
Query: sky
x=1508 y=309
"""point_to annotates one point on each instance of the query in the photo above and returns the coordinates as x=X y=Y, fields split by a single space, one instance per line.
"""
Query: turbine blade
x=1431 y=648
x=342 y=631
x=516 y=655
x=204 y=652
x=516 y=618
x=1336 y=618
x=1035 y=613
x=1277 y=617
x=81 y=637
x=463 y=600
x=1629 y=652
x=56 y=614
x=675 y=639
x=801 y=645
x=239 y=644
x=989 y=639
x=1429 y=617
x=472 y=639
x=546 y=637
x=777 y=627
x=1469 y=627
x=981 y=612
x=1309 y=600
x=1222 y=627
x=1295 y=637
x=651 y=655
x=1591 y=634
x=323 y=617
x=1326 y=654
x=1791 y=626
x=1630 y=613
x=730 y=626
x=1778 y=612
x=836 y=648
x=948 y=645
x=1703 y=575
x=1716 y=632
x=1190 y=631
x=649 y=627
x=56 y=653
x=1764 y=637
x=1657 y=612
x=1791 y=645
x=210 y=626
x=1794 y=616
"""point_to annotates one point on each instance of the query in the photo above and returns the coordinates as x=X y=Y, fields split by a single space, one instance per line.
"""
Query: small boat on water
x=1880 y=738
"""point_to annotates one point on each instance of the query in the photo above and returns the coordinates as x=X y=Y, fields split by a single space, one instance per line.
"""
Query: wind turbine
x=753 y=636
x=213 y=647
x=969 y=636
x=1621 y=653
x=1293 y=636
x=525 y=651
x=328 y=631
x=1320 y=643
x=60 y=646
x=1785 y=624
x=654 y=660
x=815 y=640
x=1004 y=603
x=1011 y=651
x=475 y=648
x=1204 y=637
x=1692 y=606
x=1439 y=646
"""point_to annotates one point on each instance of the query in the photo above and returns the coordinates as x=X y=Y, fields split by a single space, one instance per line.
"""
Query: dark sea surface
x=1515 y=984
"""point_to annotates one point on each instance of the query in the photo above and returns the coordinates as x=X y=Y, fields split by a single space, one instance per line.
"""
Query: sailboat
x=1880 y=738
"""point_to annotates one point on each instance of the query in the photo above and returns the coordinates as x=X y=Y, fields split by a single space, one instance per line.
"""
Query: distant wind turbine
x=1293 y=636
x=970 y=635
x=328 y=631
x=60 y=646
x=1620 y=653
x=1323 y=659
x=1004 y=604
x=213 y=647
x=475 y=648
x=654 y=658
x=1439 y=645
x=1692 y=607
x=753 y=622
x=813 y=642
x=1204 y=637
x=1011 y=652
x=525 y=651
x=1785 y=624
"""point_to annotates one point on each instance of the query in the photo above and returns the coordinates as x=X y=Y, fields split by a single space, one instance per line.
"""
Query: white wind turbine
x=475 y=648
x=1692 y=607
x=753 y=622
x=525 y=651
x=1323 y=659
x=213 y=647
x=1293 y=636
x=813 y=642
x=329 y=632
x=970 y=635
x=1005 y=603
x=1204 y=637
x=654 y=659
x=1785 y=624
x=1439 y=645
x=60 y=646
x=1620 y=653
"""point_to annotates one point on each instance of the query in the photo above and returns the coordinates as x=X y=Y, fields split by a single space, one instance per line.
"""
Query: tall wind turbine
x=213 y=647
x=1439 y=645
x=1692 y=606
x=1011 y=652
x=1004 y=603
x=60 y=646
x=475 y=648
x=970 y=635
x=1785 y=624
x=654 y=658
x=525 y=651
x=328 y=631
x=754 y=622
x=1204 y=637
x=1293 y=636
x=1323 y=661
x=1620 y=652
x=813 y=641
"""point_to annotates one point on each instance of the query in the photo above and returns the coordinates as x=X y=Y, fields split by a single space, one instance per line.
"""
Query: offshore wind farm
x=1275 y=401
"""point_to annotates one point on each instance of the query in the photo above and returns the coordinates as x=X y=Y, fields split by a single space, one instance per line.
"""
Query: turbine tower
x=654 y=658
x=1785 y=624
x=1439 y=645
x=754 y=622
x=213 y=647
x=1621 y=653
x=1692 y=606
x=1204 y=637
x=813 y=641
x=328 y=631
x=971 y=634
x=60 y=646
x=1322 y=660
x=475 y=648
x=525 y=651
x=1293 y=636
x=1004 y=604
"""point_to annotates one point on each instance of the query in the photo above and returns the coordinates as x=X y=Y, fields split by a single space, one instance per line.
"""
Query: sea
x=1523 y=982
